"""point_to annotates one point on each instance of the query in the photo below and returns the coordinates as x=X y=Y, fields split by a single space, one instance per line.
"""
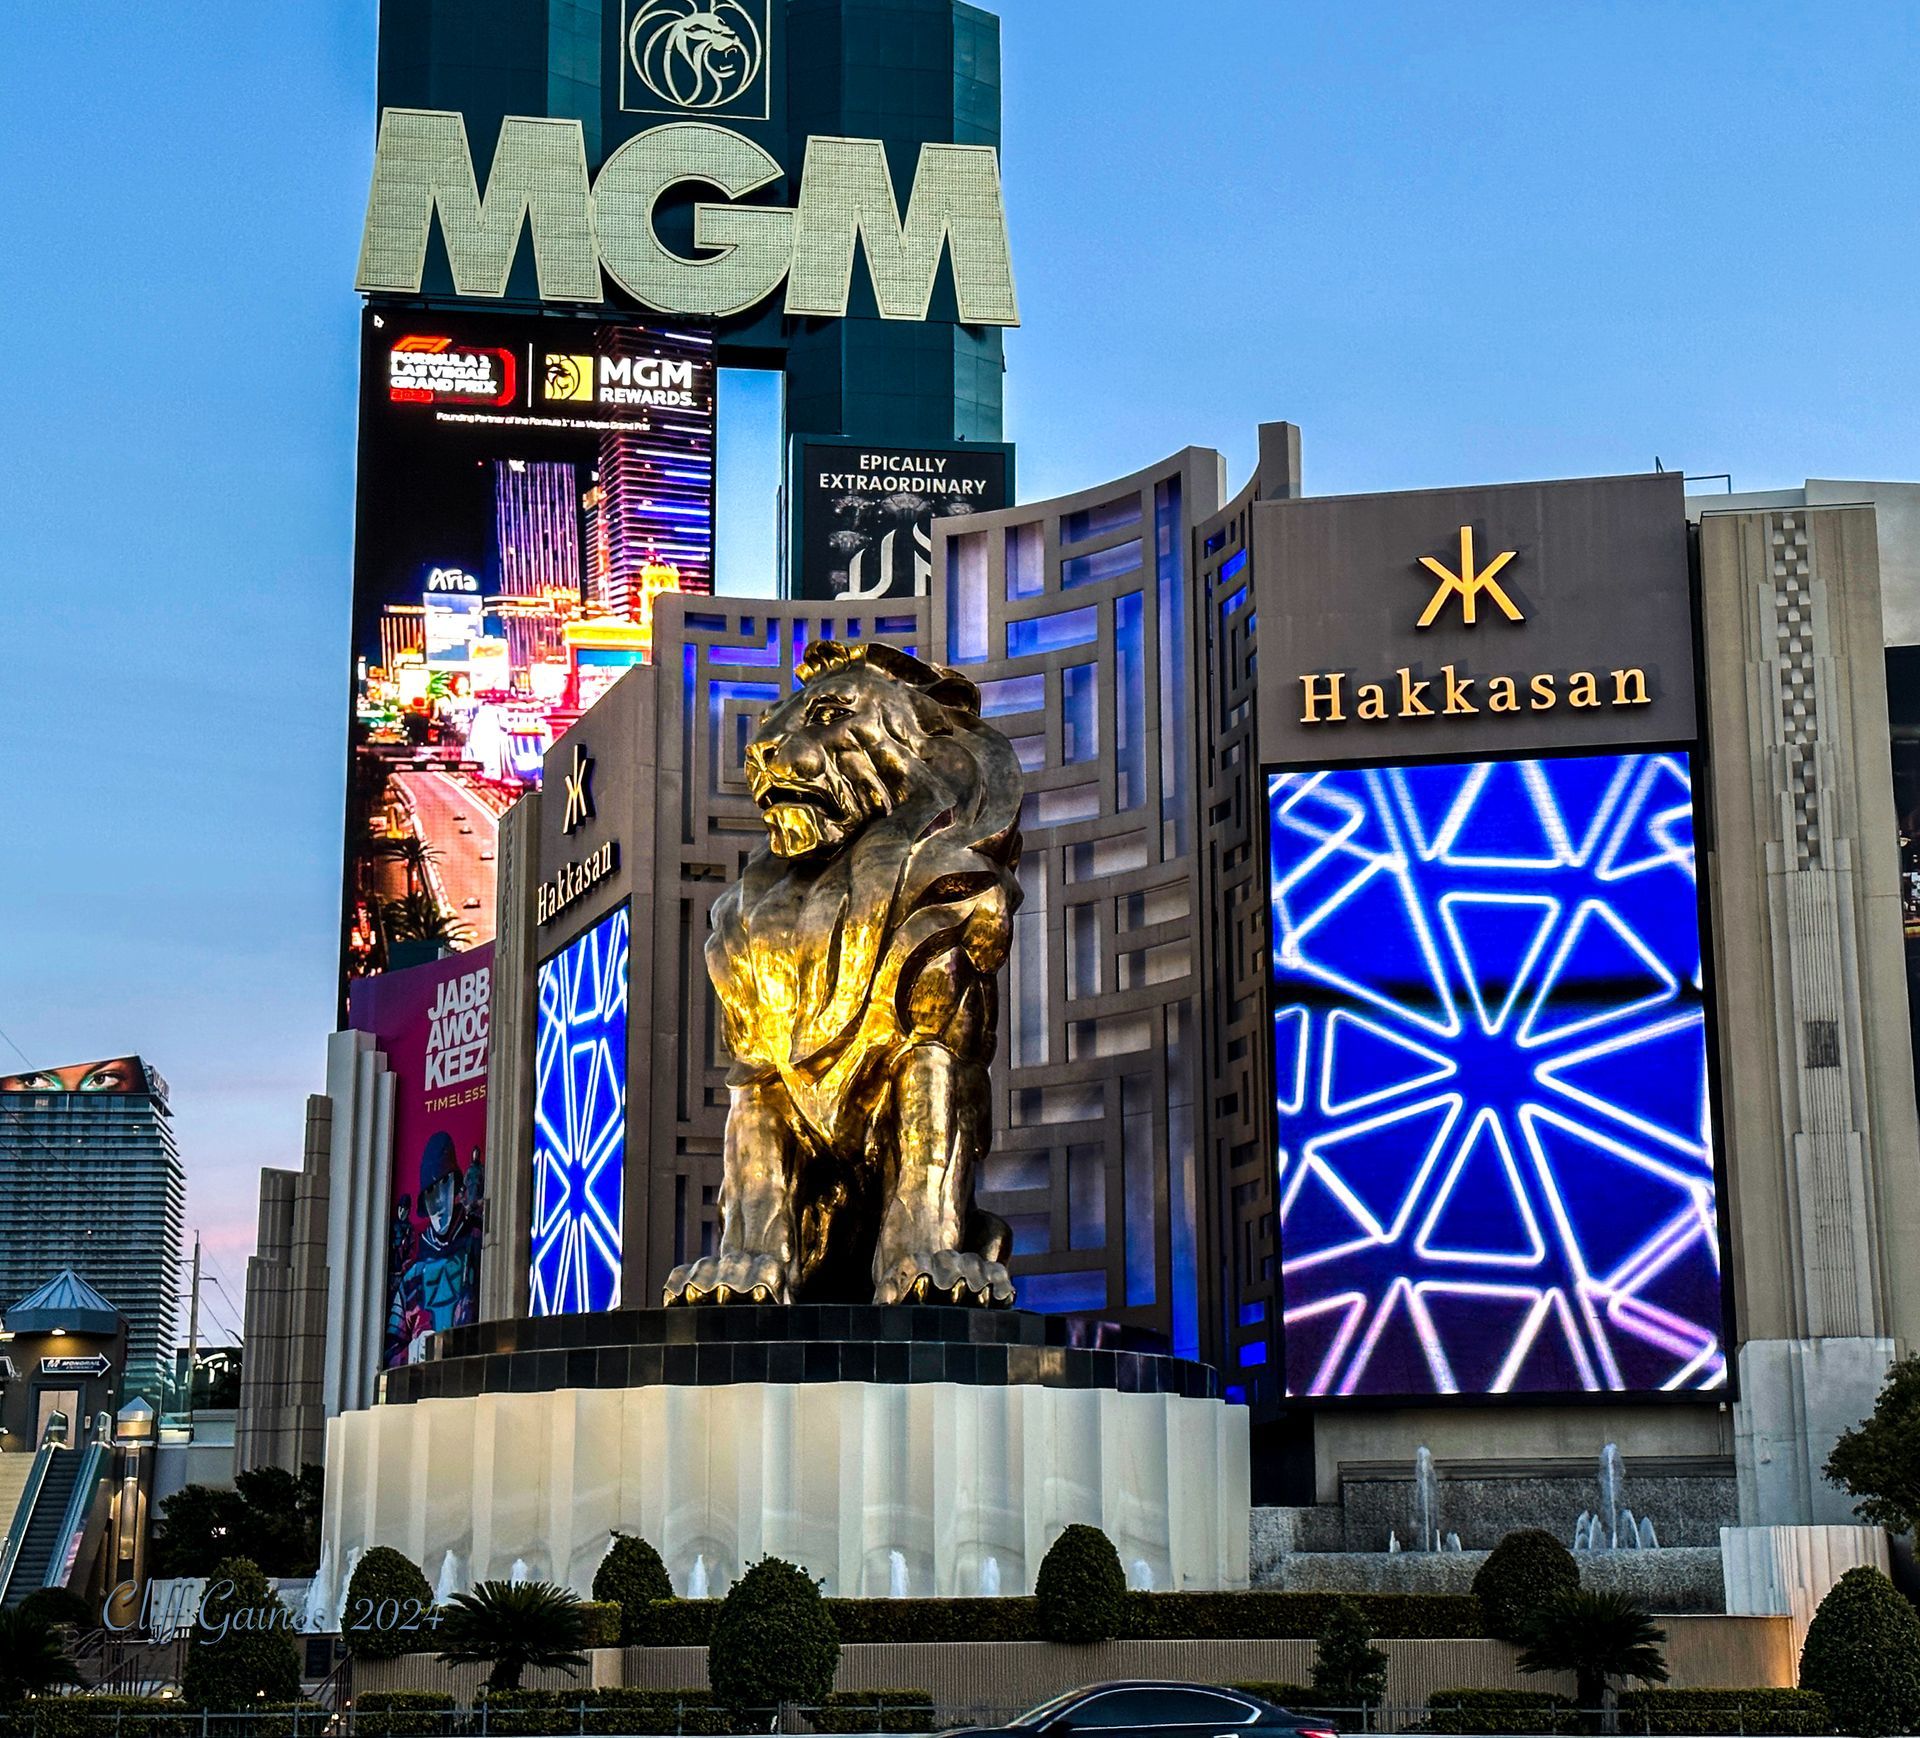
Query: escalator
x=55 y=1512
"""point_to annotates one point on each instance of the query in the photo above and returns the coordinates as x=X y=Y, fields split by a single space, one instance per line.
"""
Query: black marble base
x=713 y=1345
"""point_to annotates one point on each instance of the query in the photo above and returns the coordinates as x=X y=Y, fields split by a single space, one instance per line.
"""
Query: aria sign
x=423 y=167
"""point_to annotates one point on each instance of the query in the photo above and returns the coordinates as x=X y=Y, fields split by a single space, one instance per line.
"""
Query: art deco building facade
x=1170 y=1116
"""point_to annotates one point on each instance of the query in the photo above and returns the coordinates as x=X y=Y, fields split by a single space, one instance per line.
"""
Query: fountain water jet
x=1426 y=1500
x=697 y=1577
x=990 y=1578
x=897 y=1587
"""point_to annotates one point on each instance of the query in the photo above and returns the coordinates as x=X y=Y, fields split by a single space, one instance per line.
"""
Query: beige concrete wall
x=1702 y=1653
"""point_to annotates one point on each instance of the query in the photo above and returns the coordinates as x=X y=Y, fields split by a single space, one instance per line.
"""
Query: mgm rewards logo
x=1324 y=698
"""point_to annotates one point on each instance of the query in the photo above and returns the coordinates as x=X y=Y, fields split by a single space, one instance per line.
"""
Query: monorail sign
x=539 y=182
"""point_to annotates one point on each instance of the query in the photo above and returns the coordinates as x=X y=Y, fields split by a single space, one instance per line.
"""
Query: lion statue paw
x=738 y=1277
x=946 y=1276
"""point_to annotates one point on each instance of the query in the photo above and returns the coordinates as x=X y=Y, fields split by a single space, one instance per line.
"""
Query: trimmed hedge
x=1499 y=1711
x=85 y=1716
x=403 y=1713
x=1267 y=1616
x=604 y=1621
x=875 y=1711
x=554 y=1713
x=1258 y=1616
x=1757 y=1713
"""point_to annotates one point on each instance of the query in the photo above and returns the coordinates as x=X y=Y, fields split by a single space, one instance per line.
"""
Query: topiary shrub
x=387 y=1608
x=1522 y=1573
x=61 y=1607
x=1862 y=1653
x=632 y=1576
x=1081 y=1591
x=403 y=1714
x=773 y=1641
x=241 y=1651
x=1348 y=1670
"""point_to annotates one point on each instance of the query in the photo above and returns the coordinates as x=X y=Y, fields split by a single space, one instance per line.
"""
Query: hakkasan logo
x=695 y=56
x=1336 y=696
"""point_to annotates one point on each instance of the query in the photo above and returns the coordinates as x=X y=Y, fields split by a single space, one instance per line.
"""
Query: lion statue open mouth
x=855 y=963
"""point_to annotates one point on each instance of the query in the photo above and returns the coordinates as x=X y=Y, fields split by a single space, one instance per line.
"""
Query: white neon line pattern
x=1495 y=1162
x=580 y=1122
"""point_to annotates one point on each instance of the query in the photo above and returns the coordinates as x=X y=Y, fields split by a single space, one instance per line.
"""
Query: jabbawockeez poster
x=866 y=513
x=432 y=1022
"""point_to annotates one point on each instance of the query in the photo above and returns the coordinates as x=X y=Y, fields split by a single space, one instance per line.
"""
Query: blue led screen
x=580 y=1122
x=1495 y=1163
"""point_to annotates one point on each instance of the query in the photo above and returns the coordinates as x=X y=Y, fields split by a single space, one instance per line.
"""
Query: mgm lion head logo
x=695 y=54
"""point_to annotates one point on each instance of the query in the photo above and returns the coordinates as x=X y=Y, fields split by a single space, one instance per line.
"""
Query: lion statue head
x=871 y=733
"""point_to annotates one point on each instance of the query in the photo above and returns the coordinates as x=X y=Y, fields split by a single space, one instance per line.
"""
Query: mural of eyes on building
x=121 y=1074
x=508 y=554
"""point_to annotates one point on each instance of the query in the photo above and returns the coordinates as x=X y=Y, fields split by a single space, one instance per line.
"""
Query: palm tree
x=412 y=852
x=1602 y=1638
x=512 y=1627
x=33 y=1657
x=418 y=917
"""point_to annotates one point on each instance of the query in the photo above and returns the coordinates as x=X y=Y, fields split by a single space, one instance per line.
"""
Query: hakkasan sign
x=1492 y=620
x=423 y=169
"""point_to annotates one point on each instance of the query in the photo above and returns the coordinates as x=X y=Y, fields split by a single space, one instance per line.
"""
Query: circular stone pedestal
x=926 y=1451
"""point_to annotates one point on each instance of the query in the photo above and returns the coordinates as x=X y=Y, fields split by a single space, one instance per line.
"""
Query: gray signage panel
x=1459 y=622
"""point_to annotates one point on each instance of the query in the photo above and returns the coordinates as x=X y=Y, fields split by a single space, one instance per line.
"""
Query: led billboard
x=580 y=1121
x=433 y=1023
x=1496 y=1163
x=527 y=487
x=865 y=512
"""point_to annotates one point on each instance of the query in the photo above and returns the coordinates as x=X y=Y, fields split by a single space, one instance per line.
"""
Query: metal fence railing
x=639 y=1714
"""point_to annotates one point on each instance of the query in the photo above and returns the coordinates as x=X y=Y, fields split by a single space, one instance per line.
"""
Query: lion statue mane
x=855 y=966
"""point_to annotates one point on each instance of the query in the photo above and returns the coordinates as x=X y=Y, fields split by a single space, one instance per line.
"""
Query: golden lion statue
x=855 y=963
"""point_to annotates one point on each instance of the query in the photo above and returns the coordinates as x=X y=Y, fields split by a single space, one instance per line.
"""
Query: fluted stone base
x=967 y=1483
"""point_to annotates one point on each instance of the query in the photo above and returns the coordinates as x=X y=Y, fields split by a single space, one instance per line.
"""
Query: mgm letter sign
x=539 y=182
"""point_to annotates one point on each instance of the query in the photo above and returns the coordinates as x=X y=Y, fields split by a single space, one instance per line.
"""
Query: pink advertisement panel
x=432 y=1023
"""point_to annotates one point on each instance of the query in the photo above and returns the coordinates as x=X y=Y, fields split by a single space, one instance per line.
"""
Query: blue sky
x=1455 y=243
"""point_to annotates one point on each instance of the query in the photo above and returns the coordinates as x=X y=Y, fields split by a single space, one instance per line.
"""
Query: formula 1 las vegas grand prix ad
x=527 y=487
